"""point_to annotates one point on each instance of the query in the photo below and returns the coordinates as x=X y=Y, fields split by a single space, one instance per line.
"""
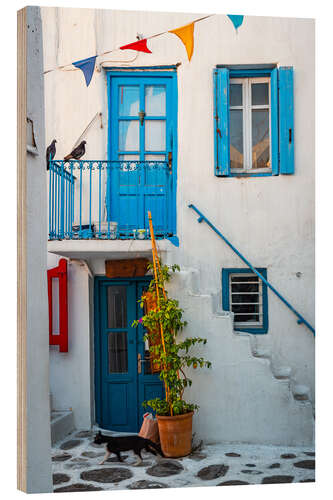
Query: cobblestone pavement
x=75 y=466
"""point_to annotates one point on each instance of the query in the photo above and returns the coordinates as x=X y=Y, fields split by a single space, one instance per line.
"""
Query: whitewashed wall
x=270 y=219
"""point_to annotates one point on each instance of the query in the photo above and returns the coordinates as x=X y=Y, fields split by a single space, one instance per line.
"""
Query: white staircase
x=244 y=397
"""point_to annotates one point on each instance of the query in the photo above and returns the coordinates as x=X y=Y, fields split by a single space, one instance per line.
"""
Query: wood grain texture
x=127 y=268
x=21 y=250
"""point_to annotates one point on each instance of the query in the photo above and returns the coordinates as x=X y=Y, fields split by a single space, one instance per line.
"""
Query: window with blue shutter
x=253 y=117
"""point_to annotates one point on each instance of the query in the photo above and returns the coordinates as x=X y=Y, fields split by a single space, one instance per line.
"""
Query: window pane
x=245 y=308
x=117 y=352
x=154 y=135
x=244 y=287
x=236 y=97
x=259 y=93
x=155 y=100
x=244 y=279
x=238 y=298
x=236 y=138
x=246 y=299
x=129 y=135
x=260 y=138
x=116 y=304
x=155 y=157
x=132 y=157
x=247 y=318
x=129 y=100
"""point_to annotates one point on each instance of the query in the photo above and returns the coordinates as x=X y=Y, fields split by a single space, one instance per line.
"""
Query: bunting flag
x=185 y=33
x=237 y=21
x=139 y=46
x=87 y=66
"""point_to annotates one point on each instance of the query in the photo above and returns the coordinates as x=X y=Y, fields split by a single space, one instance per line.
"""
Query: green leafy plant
x=164 y=323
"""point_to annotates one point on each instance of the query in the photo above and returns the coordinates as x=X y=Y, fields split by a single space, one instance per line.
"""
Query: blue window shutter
x=274 y=122
x=286 y=120
x=221 y=119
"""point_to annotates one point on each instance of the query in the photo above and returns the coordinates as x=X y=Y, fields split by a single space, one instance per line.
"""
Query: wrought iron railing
x=108 y=199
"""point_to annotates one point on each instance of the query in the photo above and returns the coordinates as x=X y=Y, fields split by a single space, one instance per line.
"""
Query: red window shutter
x=59 y=272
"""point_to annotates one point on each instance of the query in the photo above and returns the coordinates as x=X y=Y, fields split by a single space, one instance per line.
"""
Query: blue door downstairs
x=123 y=379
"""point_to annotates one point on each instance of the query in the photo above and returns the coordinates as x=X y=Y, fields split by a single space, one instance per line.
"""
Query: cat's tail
x=155 y=446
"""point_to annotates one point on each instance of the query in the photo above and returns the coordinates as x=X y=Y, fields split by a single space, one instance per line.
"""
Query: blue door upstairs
x=141 y=148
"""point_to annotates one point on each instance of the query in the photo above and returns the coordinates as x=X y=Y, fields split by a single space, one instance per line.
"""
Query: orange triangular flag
x=185 y=33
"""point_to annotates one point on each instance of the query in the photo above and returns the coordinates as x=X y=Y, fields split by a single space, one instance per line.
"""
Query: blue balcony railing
x=108 y=199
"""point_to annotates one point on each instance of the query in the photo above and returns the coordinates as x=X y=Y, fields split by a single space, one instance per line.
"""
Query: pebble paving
x=75 y=466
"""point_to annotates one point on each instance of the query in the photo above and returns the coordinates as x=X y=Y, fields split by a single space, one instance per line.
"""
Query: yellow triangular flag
x=185 y=33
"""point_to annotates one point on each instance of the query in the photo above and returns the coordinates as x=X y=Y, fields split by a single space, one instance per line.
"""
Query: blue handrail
x=300 y=320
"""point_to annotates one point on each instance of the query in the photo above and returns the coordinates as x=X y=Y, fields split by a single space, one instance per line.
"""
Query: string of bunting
x=184 y=33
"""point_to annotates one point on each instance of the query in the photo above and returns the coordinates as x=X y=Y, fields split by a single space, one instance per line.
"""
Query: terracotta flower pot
x=176 y=434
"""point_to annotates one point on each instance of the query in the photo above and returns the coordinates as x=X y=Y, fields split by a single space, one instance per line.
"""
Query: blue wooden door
x=122 y=383
x=141 y=143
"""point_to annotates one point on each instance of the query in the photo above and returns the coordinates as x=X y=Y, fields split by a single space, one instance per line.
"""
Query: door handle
x=142 y=115
x=170 y=161
x=140 y=360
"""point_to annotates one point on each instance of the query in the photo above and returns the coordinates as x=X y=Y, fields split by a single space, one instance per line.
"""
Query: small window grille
x=246 y=299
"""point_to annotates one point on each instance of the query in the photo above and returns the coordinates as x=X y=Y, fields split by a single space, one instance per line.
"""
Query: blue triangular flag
x=236 y=20
x=87 y=66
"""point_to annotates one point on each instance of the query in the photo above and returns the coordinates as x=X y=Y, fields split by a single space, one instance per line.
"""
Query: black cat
x=125 y=443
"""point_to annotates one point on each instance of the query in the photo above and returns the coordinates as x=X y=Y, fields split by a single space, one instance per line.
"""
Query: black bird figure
x=50 y=153
x=77 y=152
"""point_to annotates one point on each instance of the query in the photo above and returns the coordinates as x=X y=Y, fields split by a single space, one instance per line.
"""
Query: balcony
x=110 y=200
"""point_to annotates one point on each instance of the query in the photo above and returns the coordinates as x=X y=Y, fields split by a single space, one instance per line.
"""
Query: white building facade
x=230 y=132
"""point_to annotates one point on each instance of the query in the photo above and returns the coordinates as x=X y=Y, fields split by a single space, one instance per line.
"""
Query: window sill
x=246 y=174
x=254 y=331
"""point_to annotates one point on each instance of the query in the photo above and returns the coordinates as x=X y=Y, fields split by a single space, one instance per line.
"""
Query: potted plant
x=163 y=321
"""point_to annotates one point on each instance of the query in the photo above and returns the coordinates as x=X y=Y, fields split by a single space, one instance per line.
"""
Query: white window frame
x=247 y=122
x=247 y=324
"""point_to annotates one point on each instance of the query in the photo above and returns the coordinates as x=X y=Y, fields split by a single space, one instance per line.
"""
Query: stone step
x=62 y=424
x=301 y=392
x=282 y=372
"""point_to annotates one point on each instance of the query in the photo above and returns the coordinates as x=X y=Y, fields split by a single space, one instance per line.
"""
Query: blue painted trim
x=144 y=68
x=242 y=73
x=299 y=316
x=144 y=74
x=274 y=122
x=226 y=298
x=247 y=174
x=216 y=123
x=286 y=112
x=174 y=240
x=247 y=67
x=221 y=118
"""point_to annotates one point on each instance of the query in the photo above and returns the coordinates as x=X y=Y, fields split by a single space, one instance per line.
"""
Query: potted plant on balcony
x=163 y=321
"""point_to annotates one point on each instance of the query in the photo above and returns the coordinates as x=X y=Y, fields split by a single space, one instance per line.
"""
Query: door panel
x=142 y=130
x=118 y=357
x=120 y=388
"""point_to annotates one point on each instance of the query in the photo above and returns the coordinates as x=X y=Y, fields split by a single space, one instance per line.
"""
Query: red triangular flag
x=140 y=46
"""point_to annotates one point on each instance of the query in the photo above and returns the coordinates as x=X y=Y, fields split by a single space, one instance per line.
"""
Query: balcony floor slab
x=105 y=249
